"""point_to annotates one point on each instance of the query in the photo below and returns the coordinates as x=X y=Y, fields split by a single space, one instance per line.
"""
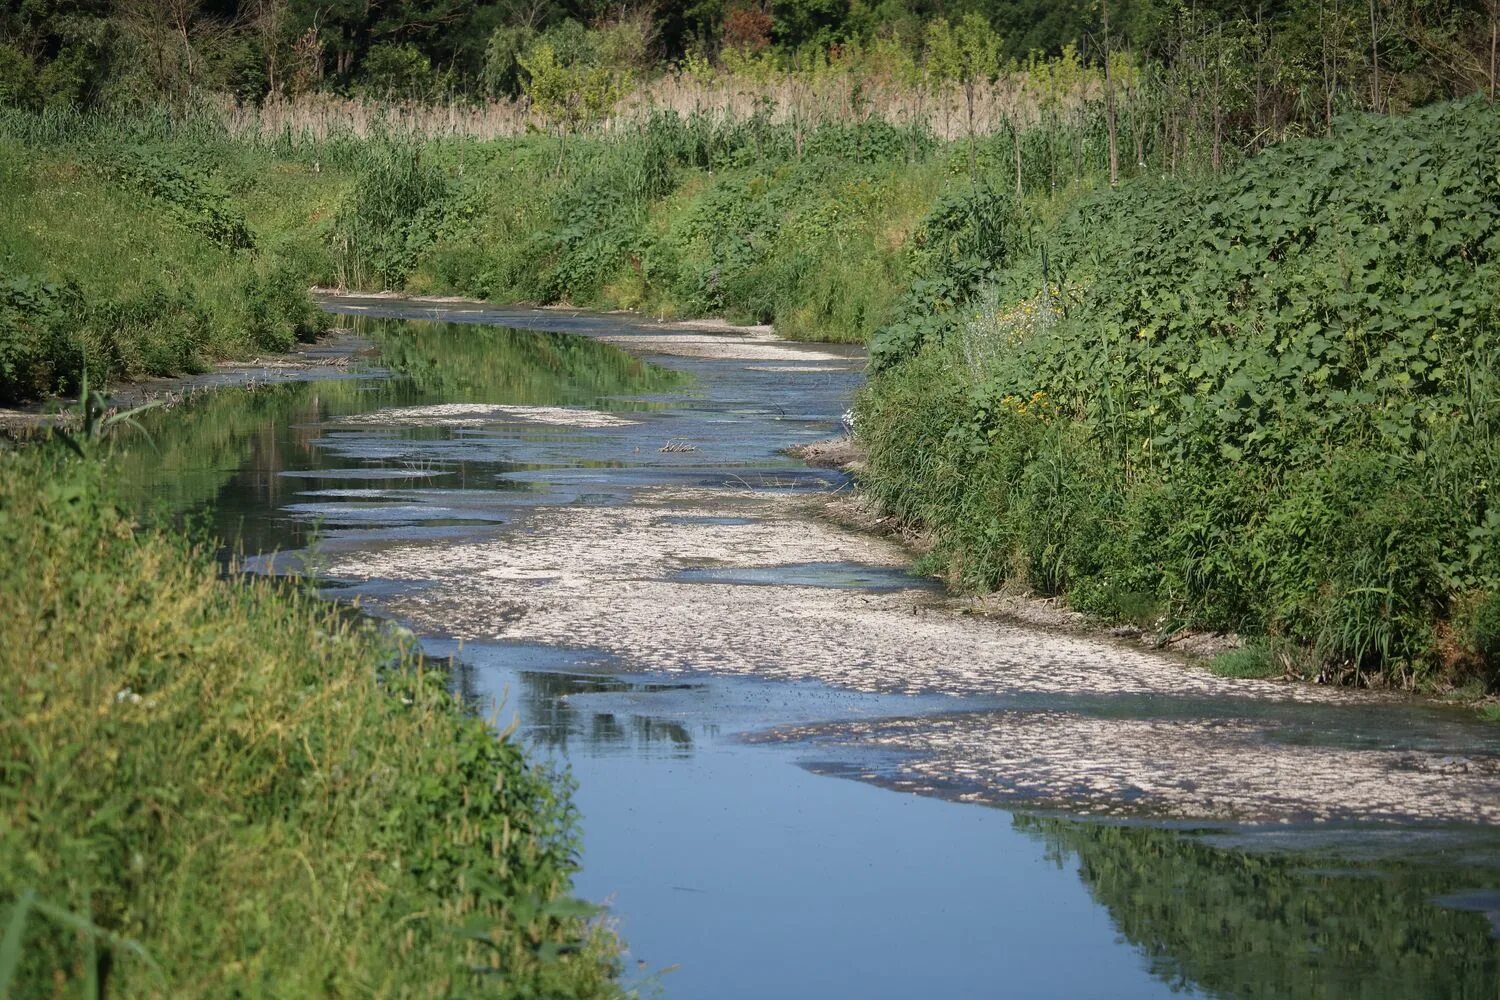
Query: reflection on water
x=251 y=453
x=1253 y=923
x=557 y=710
x=764 y=879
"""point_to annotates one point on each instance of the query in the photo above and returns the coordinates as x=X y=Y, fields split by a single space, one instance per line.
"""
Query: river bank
x=674 y=590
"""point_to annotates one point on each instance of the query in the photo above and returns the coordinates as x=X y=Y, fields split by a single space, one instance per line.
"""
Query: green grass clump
x=1264 y=403
x=1250 y=662
x=212 y=789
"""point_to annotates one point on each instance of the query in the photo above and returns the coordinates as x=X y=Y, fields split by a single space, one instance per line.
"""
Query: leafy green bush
x=278 y=311
x=278 y=799
x=187 y=192
x=1265 y=402
x=966 y=240
x=1481 y=630
x=37 y=348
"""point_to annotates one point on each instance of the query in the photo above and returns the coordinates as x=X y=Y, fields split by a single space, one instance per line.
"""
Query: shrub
x=278 y=798
x=1270 y=399
x=38 y=350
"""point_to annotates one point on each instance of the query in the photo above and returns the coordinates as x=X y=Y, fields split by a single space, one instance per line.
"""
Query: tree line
x=1255 y=68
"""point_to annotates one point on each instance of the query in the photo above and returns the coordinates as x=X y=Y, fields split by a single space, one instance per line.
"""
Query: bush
x=278 y=310
x=279 y=800
x=1266 y=402
x=1481 y=631
x=38 y=351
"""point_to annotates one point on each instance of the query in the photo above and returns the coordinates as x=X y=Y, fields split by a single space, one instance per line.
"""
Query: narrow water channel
x=506 y=483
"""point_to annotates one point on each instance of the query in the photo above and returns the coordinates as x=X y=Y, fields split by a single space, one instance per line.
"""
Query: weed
x=1249 y=662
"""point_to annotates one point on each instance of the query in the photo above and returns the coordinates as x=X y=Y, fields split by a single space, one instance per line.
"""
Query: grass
x=213 y=789
x=118 y=263
x=1251 y=662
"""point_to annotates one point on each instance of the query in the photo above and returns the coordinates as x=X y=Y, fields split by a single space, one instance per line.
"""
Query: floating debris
x=479 y=414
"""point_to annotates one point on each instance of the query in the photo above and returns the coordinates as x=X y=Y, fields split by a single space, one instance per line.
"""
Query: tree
x=570 y=96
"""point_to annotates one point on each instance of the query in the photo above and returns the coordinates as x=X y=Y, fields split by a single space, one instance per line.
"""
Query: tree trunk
x=1494 y=45
x=1218 y=120
x=1015 y=142
x=1330 y=78
x=969 y=102
x=1111 y=123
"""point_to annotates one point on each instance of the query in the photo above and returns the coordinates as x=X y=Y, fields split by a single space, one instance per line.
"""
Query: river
x=801 y=770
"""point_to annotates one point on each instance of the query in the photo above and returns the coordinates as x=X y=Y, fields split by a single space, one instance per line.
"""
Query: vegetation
x=1252 y=70
x=124 y=255
x=264 y=810
x=1264 y=402
x=1128 y=346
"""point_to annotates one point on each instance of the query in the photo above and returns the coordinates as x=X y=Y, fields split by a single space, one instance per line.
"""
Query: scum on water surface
x=1193 y=744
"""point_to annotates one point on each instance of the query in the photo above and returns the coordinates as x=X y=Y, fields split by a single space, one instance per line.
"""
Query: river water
x=564 y=503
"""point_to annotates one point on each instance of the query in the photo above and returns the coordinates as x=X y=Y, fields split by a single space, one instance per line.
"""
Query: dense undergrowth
x=127 y=252
x=1259 y=401
x=1266 y=402
x=211 y=789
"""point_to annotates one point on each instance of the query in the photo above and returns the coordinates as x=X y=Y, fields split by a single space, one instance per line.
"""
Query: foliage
x=36 y=346
x=1264 y=402
x=571 y=96
x=393 y=212
x=278 y=800
x=187 y=193
x=1218 y=75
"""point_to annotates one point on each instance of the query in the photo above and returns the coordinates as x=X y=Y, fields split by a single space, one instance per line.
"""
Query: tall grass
x=846 y=95
x=213 y=790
